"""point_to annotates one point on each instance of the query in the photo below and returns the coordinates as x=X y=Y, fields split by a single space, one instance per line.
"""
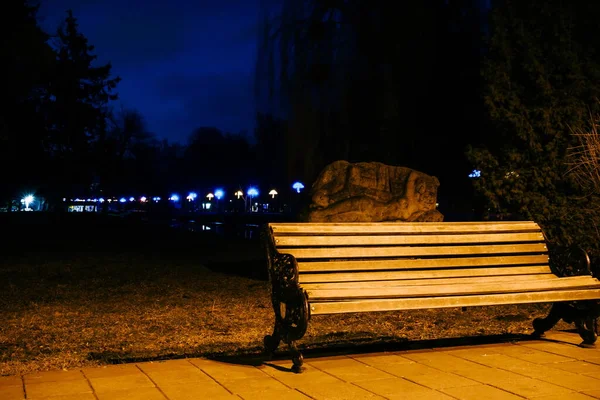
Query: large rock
x=373 y=192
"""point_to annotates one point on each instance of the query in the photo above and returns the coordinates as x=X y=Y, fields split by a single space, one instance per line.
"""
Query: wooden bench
x=329 y=268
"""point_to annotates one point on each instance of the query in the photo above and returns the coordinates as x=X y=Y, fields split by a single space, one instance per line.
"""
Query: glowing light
x=252 y=192
x=298 y=186
x=239 y=194
x=101 y=200
x=219 y=194
x=123 y=200
x=273 y=193
x=27 y=200
x=475 y=174
x=156 y=199
x=143 y=199
x=174 y=197
x=132 y=199
x=210 y=196
x=192 y=196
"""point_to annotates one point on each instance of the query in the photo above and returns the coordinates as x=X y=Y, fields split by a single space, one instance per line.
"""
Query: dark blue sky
x=183 y=63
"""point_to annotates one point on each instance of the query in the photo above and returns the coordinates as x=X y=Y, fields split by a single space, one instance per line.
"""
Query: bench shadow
x=256 y=358
x=316 y=350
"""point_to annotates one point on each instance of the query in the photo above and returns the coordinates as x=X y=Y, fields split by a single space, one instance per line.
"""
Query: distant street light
x=192 y=196
x=210 y=196
x=27 y=200
x=298 y=186
x=219 y=194
x=239 y=194
x=273 y=193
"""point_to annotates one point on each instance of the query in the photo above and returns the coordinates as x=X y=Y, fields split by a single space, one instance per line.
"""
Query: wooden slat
x=454 y=301
x=454 y=290
x=405 y=275
x=420 y=282
x=415 y=227
x=411 y=263
x=346 y=240
x=412 y=251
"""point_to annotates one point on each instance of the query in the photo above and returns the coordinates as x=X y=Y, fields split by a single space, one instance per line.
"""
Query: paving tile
x=196 y=391
x=78 y=396
x=569 y=396
x=47 y=389
x=578 y=367
x=142 y=393
x=121 y=382
x=448 y=363
x=221 y=371
x=241 y=386
x=327 y=358
x=13 y=380
x=379 y=359
x=592 y=360
x=442 y=380
x=309 y=377
x=471 y=353
x=288 y=394
x=572 y=338
x=593 y=393
x=350 y=370
x=544 y=373
x=430 y=394
x=407 y=370
x=264 y=388
x=53 y=376
x=162 y=374
x=111 y=370
x=399 y=388
x=481 y=392
x=13 y=392
x=562 y=349
x=530 y=354
x=337 y=391
x=513 y=382
x=523 y=386
x=166 y=365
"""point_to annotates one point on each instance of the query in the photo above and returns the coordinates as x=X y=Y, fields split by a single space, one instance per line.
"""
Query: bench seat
x=369 y=267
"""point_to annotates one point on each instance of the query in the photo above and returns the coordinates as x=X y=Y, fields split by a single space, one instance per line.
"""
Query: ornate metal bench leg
x=541 y=325
x=587 y=329
x=271 y=342
x=297 y=359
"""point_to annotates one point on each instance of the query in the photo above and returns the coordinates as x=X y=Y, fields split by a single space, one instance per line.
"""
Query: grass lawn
x=91 y=292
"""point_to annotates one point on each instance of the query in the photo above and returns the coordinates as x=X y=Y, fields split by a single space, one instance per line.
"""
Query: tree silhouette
x=80 y=95
x=541 y=81
x=370 y=81
x=28 y=62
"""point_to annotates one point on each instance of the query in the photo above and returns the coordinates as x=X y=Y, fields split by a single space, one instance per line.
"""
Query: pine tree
x=81 y=92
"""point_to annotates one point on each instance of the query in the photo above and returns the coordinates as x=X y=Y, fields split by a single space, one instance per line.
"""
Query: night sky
x=184 y=64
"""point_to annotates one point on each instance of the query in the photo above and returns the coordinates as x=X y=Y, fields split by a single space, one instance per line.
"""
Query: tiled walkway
x=551 y=368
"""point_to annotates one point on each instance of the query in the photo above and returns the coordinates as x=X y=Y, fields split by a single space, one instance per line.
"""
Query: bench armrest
x=569 y=261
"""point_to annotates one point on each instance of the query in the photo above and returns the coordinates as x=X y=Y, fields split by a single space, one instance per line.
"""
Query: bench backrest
x=419 y=253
